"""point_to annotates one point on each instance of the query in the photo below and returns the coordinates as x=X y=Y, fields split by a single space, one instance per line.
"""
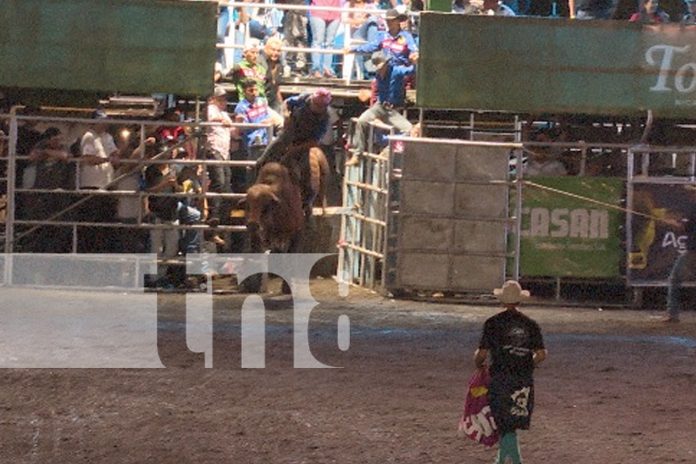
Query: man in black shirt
x=684 y=268
x=516 y=347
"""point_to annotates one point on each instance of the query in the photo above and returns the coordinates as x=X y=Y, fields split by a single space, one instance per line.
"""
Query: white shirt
x=101 y=145
x=219 y=137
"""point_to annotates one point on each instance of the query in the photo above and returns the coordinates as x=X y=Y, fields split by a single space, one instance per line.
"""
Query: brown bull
x=274 y=210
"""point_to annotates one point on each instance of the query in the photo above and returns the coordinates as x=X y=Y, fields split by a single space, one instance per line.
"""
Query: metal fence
x=63 y=215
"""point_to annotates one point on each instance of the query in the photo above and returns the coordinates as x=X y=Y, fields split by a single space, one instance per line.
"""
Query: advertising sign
x=544 y=65
x=135 y=46
x=565 y=236
x=658 y=237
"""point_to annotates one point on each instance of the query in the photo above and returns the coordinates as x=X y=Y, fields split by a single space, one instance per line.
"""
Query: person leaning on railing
x=49 y=159
x=220 y=138
x=98 y=153
x=324 y=25
x=363 y=28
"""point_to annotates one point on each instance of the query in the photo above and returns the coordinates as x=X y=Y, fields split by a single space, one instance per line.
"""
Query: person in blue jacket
x=391 y=94
x=398 y=44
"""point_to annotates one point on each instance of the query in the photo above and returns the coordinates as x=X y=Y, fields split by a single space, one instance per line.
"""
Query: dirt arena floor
x=618 y=387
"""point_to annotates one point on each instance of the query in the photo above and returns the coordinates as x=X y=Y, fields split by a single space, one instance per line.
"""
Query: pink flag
x=477 y=420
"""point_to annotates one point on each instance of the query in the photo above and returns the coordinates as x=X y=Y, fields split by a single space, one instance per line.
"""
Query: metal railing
x=347 y=71
x=80 y=196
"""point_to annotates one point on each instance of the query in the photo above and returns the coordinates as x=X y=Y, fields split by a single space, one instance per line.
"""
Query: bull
x=277 y=209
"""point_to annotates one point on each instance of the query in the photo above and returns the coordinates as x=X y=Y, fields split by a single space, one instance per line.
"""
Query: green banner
x=545 y=65
x=134 y=46
x=571 y=237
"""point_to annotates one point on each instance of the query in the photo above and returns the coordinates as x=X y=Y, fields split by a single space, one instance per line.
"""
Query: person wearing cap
x=396 y=42
x=220 y=140
x=306 y=121
x=515 y=346
x=249 y=68
x=391 y=94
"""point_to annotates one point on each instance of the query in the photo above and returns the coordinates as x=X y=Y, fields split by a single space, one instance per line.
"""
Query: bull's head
x=260 y=204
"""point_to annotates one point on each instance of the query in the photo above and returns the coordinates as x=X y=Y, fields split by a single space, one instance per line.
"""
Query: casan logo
x=564 y=222
x=685 y=76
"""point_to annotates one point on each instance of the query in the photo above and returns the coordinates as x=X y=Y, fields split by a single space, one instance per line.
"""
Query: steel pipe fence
x=80 y=196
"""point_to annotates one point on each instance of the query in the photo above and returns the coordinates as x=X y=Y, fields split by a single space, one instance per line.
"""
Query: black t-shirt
x=511 y=338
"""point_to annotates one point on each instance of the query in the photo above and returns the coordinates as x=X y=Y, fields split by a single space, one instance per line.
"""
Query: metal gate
x=431 y=215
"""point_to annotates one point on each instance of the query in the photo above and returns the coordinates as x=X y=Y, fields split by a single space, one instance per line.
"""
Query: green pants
x=509 y=452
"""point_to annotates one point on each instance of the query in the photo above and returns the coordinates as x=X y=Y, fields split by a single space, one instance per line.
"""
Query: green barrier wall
x=543 y=65
x=135 y=46
x=569 y=237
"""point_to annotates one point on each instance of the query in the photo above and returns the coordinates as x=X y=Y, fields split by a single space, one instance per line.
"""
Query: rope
x=592 y=200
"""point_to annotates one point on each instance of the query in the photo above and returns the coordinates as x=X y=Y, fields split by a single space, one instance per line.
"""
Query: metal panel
x=476 y=165
x=483 y=201
x=476 y=272
x=472 y=236
x=450 y=225
x=139 y=46
x=420 y=233
x=431 y=198
x=423 y=271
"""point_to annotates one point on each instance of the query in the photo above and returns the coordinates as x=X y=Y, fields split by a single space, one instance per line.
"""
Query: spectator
x=363 y=29
x=324 y=25
x=167 y=243
x=253 y=109
x=391 y=95
x=650 y=13
x=129 y=209
x=683 y=270
x=295 y=34
x=397 y=43
x=270 y=58
x=98 y=152
x=219 y=142
x=223 y=25
x=50 y=160
x=249 y=68
x=483 y=7
x=595 y=9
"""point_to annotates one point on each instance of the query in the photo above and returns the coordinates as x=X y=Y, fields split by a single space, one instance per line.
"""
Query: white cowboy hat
x=511 y=293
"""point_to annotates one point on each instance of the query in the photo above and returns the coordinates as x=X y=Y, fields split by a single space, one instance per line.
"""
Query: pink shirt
x=327 y=15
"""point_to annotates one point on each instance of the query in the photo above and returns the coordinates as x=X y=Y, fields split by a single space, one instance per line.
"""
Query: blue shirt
x=390 y=88
x=252 y=113
x=399 y=47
